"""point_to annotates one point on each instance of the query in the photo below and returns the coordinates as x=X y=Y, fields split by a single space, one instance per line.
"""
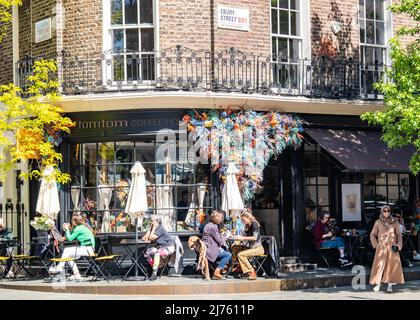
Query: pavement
x=409 y=291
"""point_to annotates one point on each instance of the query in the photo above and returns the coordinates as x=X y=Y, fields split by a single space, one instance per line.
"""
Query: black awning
x=361 y=150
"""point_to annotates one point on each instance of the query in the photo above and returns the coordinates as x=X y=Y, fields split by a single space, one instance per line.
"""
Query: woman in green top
x=86 y=239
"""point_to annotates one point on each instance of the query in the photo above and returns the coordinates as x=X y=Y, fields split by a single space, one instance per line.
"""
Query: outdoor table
x=272 y=250
x=135 y=257
x=352 y=240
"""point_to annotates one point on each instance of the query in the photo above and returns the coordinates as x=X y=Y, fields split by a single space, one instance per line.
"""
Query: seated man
x=165 y=245
x=85 y=237
x=324 y=237
x=6 y=234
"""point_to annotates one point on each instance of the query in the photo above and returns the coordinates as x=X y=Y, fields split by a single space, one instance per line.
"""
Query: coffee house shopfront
x=342 y=167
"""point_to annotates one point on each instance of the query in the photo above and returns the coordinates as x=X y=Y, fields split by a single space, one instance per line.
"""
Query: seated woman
x=253 y=237
x=324 y=237
x=86 y=248
x=214 y=242
x=165 y=245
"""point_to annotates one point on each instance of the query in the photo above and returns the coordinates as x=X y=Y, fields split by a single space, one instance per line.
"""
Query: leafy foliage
x=400 y=119
x=31 y=123
x=6 y=16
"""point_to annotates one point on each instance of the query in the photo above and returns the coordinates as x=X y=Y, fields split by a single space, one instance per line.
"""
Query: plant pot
x=42 y=236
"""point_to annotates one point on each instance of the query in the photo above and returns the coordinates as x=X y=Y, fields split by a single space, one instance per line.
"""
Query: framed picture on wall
x=351 y=201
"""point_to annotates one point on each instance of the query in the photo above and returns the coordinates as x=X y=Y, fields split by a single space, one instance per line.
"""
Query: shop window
x=129 y=42
x=385 y=188
x=317 y=191
x=101 y=181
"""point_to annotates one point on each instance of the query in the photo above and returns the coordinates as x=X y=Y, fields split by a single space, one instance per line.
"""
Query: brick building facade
x=159 y=59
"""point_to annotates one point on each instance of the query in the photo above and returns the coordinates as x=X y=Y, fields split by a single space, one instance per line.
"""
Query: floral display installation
x=253 y=138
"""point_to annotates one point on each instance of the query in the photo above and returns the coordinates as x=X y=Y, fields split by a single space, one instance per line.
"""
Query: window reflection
x=101 y=176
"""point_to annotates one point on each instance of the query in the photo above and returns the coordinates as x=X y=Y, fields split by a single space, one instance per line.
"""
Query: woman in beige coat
x=386 y=266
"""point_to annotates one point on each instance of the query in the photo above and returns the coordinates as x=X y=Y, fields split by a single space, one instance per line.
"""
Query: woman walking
x=387 y=240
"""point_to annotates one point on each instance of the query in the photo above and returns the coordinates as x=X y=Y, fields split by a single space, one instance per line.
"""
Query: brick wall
x=400 y=20
x=184 y=22
x=258 y=39
x=29 y=13
x=346 y=42
x=6 y=57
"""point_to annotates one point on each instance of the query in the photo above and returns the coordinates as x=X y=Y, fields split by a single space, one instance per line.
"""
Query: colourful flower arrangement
x=245 y=137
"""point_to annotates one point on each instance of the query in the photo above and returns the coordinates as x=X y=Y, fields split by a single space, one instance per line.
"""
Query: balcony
x=183 y=69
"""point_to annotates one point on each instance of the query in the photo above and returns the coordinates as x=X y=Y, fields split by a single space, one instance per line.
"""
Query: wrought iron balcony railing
x=180 y=68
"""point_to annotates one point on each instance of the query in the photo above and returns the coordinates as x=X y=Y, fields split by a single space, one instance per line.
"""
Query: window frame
x=304 y=45
x=107 y=46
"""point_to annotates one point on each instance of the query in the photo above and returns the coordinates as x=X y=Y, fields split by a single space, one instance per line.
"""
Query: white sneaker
x=410 y=265
x=389 y=290
x=377 y=288
x=55 y=270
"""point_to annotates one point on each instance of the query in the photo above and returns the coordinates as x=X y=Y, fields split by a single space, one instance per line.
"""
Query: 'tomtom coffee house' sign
x=232 y=18
x=112 y=122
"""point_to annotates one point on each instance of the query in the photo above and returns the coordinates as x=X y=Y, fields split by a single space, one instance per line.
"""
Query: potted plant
x=42 y=225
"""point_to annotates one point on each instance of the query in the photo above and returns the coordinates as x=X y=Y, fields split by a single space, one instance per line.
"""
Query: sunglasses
x=386 y=210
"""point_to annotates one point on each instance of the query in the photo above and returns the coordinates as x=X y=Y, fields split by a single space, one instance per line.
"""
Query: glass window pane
x=118 y=39
x=294 y=23
x=284 y=4
x=310 y=196
x=118 y=67
x=125 y=151
x=274 y=47
x=146 y=11
x=274 y=3
x=361 y=9
x=393 y=178
x=379 y=54
x=89 y=153
x=274 y=21
x=130 y=11
x=294 y=49
x=369 y=179
x=381 y=179
x=404 y=193
x=90 y=176
x=116 y=12
x=392 y=195
x=322 y=180
x=370 y=32
x=148 y=66
x=132 y=39
x=106 y=152
x=370 y=9
x=310 y=180
x=323 y=198
x=147 y=39
x=379 y=9
x=294 y=4
x=368 y=57
x=282 y=46
x=404 y=179
x=106 y=174
x=133 y=61
x=369 y=193
x=145 y=151
x=75 y=175
x=123 y=173
x=380 y=35
x=362 y=31
x=284 y=22
x=381 y=195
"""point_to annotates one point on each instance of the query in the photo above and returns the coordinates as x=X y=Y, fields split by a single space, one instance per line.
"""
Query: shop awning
x=361 y=151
